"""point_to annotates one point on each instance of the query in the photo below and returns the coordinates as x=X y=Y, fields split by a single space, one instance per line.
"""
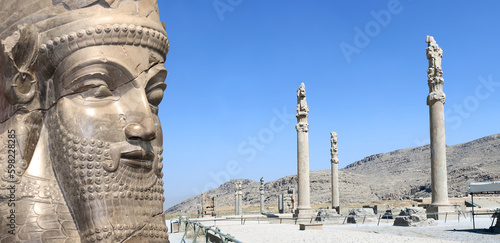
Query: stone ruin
x=286 y=201
x=359 y=214
x=326 y=214
x=238 y=198
x=208 y=208
x=413 y=216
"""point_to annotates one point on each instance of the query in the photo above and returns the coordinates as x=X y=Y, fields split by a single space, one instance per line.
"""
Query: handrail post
x=473 y=220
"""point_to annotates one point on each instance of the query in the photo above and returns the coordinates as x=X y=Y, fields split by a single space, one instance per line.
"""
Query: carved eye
x=155 y=96
x=94 y=89
x=102 y=92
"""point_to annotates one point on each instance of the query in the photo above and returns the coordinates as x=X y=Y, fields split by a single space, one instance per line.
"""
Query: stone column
x=435 y=101
x=236 y=200
x=261 y=188
x=280 y=203
x=304 y=206
x=240 y=199
x=335 y=171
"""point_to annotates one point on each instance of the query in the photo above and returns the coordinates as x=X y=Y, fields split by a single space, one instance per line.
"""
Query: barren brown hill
x=400 y=174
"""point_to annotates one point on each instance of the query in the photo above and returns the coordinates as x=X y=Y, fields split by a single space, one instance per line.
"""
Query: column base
x=304 y=213
x=441 y=212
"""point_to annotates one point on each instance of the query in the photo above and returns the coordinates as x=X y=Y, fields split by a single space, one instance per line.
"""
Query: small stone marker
x=311 y=226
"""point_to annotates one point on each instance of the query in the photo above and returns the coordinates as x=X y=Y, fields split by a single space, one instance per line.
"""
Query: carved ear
x=18 y=54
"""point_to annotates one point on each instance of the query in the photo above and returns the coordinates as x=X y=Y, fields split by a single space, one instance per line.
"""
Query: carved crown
x=33 y=43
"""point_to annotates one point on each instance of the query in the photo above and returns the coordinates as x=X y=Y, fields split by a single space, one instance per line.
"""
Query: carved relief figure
x=80 y=84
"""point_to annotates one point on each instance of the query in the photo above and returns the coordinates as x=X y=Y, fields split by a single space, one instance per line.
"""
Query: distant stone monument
x=82 y=144
x=334 y=151
x=208 y=208
x=304 y=209
x=435 y=101
x=287 y=201
x=261 y=189
x=238 y=198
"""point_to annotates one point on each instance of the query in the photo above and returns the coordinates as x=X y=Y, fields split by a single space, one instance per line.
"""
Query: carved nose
x=141 y=131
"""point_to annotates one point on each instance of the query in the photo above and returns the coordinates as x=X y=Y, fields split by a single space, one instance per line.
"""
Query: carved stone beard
x=108 y=205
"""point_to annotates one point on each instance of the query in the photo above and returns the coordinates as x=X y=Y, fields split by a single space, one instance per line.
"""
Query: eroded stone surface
x=413 y=216
x=358 y=214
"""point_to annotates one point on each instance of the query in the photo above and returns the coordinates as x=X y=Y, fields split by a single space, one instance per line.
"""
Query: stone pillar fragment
x=239 y=199
x=304 y=206
x=335 y=171
x=237 y=207
x=261 y=189
x=280 y=203
x=435 y=101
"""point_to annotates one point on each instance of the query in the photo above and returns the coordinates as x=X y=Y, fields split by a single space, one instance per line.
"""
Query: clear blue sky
x=229 y=108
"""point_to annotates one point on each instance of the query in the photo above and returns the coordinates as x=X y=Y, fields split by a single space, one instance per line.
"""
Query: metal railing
x=211 y=235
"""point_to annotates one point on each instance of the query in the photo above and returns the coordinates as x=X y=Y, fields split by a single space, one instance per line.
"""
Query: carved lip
x=138 y=158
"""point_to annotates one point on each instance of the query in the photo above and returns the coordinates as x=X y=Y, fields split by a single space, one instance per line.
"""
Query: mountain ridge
x=368 y=180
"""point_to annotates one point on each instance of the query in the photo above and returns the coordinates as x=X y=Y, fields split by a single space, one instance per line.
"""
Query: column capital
x=302 y=127
x=302 y=108
x=436 y=96
x=334 y=151
x=434 y=72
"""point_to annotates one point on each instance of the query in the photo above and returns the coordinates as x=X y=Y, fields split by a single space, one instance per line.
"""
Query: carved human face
x=106 y=141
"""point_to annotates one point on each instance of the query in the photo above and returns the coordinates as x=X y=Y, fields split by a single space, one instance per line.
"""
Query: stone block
x=359 y=213
x=311 y=226
x=325 y=214
x=413 y=216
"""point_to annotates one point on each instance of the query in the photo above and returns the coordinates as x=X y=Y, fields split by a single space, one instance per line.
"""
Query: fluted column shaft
x=303 y=170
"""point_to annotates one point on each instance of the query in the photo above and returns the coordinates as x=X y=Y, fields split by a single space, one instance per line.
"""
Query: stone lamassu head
x=95 y=70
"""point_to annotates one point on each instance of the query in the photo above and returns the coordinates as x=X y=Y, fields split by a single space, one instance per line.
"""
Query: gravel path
x=452 y=231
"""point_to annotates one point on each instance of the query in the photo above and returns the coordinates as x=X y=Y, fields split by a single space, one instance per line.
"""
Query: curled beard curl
x=109 y=201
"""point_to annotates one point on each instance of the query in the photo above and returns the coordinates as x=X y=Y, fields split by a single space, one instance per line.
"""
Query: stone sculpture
x=80 y=85
x=334 y=151
x=435 y=101
x=304 y=209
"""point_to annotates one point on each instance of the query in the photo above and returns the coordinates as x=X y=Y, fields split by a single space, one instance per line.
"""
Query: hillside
x=400 y=174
